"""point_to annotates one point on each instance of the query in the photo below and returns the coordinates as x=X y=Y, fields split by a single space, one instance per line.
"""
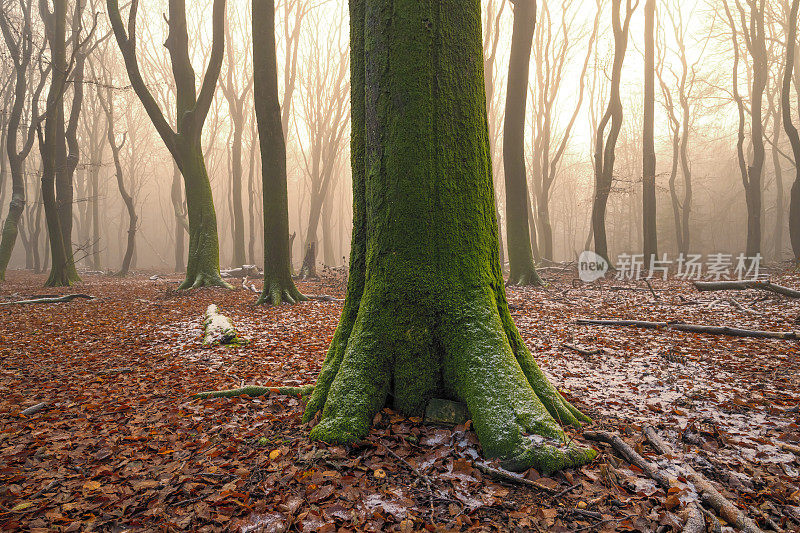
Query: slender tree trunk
x=53 y=144
x=278 y=284
x=426 y=314
x=649 y=229
x=790 y=128
x=518 y=234
x=780 y=217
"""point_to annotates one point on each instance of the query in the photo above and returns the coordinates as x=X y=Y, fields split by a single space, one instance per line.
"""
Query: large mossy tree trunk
x=426 y=314
x=518 y=233
x=278 y=284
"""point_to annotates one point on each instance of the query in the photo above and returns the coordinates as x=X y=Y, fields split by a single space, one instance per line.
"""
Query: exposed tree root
x=477 y=358
x=276 y=293
x=204 y=280
x=529 y=278
x=255 y=391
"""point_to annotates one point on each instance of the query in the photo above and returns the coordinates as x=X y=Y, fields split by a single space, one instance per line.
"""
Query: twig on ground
x=508 y=476
x=583 y=351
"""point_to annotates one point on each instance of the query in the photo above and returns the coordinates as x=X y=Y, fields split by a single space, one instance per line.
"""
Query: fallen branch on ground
x=50 y=300
x=711 y=496
x=704 y=286
x=34 y=409
x=255 y=391
x=324 y=298
x=695 y=328
x=243 y=271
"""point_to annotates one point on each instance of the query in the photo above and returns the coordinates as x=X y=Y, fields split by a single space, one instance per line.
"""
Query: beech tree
x=605 y=146
x=791 y=129
x=751 y=18
x=183 y=143
x=552 y=55
x=20 y=45
x=649 y=229
x=518 y=234
x=278 y=284
x=426 y=314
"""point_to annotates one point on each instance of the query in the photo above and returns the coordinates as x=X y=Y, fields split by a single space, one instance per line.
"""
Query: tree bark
x=53 y=142
x=518 y=234
x=278 y=284
x=791 y=129
x=21 y=51
x=426 y=314
x=192 y=108
x=649 y=228
x=605 y=148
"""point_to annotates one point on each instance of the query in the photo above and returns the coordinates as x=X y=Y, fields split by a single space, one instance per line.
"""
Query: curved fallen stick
x=694 y=328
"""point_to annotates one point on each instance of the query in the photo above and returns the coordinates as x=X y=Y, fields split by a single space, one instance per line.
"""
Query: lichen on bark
x=426 y=313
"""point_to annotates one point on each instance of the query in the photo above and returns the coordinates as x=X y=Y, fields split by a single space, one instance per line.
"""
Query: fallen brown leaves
x=120 y=445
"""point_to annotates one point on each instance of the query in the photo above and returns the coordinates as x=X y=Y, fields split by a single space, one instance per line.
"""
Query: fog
x=695 y=110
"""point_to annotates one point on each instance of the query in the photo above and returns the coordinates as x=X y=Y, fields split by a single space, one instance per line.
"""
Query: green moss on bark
x=202 y=266
x=426 y=314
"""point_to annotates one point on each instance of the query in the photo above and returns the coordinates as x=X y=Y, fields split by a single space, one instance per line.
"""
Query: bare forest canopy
x=724 y=164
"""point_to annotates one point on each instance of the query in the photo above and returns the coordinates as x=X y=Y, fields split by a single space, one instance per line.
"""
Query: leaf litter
x=121 y=445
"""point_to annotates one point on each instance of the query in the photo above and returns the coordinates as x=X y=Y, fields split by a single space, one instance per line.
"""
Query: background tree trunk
x=649 y=228
x=518 y=234
x=278 y=284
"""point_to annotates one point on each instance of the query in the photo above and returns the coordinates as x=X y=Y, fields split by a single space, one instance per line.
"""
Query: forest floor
x=122 y=445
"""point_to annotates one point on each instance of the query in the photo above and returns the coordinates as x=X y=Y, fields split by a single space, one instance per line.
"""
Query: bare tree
x=553 y=55
x=236 y=90
x=604 y=147
x=20 y=45
x=518 y=234
x=184 y=142
x=649 y=228
x=791 y=129
x=753 y=33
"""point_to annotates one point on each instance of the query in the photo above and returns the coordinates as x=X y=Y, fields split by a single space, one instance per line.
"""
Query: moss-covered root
x=197 y=281
x=276 y=293
x=482 y=370
x=254 y=391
